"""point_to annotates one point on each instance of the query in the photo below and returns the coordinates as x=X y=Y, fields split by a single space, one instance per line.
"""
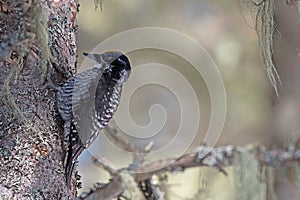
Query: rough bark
x=37 y=40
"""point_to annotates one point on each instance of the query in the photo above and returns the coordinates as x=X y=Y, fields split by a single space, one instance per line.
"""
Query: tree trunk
x=37 y=40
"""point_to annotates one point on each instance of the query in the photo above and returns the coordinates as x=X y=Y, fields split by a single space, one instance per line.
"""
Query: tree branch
x=204 y=156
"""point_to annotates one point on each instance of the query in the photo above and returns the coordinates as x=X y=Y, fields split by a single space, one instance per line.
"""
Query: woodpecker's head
x=116 y=65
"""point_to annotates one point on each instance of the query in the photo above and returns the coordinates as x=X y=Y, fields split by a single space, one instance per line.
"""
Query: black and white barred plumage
x=87 y=101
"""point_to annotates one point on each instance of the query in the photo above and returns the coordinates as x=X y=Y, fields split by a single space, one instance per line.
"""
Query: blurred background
x=227 y=31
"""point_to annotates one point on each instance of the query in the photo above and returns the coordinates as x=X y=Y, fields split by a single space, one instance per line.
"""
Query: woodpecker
x=88 y=100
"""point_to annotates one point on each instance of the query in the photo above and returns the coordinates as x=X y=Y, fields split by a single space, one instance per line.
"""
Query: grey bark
x=37 y=40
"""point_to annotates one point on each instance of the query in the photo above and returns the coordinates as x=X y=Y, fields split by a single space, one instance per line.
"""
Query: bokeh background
x=227 y=31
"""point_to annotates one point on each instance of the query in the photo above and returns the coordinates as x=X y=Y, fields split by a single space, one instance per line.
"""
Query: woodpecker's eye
x=107 y=57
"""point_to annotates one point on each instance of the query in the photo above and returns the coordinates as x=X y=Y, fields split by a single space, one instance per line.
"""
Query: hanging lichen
x=6 y=95
x=98 y=3
x=32 y=26
x=263 y=14
x=38 y=15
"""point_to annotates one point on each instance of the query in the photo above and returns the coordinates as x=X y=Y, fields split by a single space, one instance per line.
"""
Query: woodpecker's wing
x=78 y=91
x=76 y=104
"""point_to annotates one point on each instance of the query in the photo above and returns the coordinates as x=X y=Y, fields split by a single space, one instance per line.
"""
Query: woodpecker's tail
x=75 y=148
